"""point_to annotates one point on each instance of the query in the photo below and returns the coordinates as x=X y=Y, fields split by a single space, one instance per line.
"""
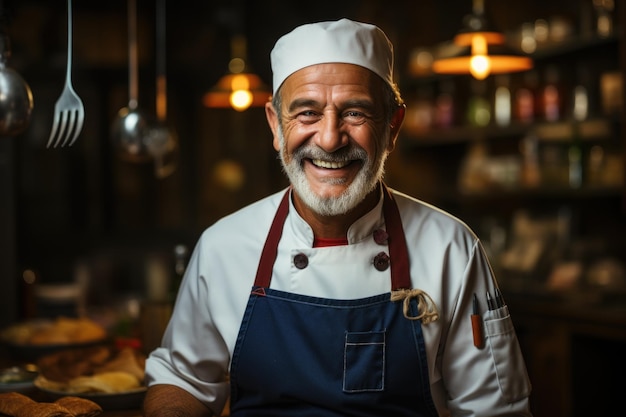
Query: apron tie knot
x=426 y=307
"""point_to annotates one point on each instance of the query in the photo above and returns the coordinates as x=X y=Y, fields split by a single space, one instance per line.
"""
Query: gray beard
x=366 y=180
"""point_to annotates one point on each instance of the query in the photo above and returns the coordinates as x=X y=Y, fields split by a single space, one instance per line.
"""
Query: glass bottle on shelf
x=528 y=43
x=581 y=103
x=473 y=176
x=551 y=96
x=580 y=111
x=596 y=166
x=585 y=93
x=420 y=111
x=604 y=17
x=478 y=107
x=575 y=159
x=502 y=101
x=524 y=105
x=531 y=171
x=444 y=105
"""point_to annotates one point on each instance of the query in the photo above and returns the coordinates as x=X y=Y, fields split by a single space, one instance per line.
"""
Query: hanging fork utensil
x=69 y=112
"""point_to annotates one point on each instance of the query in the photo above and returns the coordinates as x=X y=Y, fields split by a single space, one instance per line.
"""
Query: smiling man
x=337 y=296
x=340 y=132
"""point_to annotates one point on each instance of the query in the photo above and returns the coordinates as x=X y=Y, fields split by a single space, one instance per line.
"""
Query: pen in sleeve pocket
x=477 y=325
x=490 y=304
x=499 y=299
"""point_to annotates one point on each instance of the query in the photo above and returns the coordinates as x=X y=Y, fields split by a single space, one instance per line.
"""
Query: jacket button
x=380 y=236
x=301 y=261
x=381 y=261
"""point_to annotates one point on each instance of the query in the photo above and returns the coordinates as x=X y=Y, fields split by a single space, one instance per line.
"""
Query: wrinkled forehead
x=333 y=80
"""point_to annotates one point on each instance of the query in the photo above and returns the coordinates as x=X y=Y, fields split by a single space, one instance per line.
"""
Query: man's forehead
x=333 y=75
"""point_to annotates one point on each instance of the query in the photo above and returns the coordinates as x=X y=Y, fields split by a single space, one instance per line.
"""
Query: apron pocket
x=364 y=361
x=507 y=357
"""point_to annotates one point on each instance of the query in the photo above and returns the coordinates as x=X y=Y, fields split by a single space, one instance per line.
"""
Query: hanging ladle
x=16 y=100
x=132 y=124
x=161 y=140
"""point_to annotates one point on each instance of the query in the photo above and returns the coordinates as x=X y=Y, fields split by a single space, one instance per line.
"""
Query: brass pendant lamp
x=482 y=50
x=240 y=88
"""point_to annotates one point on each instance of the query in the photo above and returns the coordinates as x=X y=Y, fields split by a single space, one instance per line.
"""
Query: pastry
x=36 y=409
x=10 y=402
x=80 y=407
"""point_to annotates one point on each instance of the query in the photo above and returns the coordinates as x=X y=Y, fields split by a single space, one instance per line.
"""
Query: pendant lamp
x=480 y=50
x=240 y=88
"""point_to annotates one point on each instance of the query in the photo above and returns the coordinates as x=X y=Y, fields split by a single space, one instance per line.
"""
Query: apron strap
x=270 y=249
x=398 y=252
x=400 y=278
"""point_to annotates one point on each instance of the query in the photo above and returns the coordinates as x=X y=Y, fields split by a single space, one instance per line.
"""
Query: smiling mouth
x=329 y=164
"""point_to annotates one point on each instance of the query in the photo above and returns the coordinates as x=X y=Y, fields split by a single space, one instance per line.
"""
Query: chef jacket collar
x=362 y=228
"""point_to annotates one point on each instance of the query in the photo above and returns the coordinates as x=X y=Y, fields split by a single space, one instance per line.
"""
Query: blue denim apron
x=299 y=355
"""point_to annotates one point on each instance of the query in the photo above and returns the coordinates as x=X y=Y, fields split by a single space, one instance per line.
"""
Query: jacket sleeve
x=490 y=380
x=192 y=355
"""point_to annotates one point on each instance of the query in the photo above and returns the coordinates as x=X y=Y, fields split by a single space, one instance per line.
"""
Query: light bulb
x=240 y=99
x=480 y=66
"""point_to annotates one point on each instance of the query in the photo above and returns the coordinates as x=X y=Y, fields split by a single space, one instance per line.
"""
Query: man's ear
x=272 y=121
x=395 y=125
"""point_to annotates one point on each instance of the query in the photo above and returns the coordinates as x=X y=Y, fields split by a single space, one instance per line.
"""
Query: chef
x=337 y=296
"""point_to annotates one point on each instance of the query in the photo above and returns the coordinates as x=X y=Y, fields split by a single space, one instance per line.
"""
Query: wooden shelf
x=573 y=45
x=589 y=130
x=545 y=192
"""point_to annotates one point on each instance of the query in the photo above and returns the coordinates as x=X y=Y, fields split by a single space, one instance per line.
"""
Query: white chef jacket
x=447 y=261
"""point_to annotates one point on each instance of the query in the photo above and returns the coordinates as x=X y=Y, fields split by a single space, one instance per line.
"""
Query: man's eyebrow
x=302 y=102
x=360 y=103
x=307 y=102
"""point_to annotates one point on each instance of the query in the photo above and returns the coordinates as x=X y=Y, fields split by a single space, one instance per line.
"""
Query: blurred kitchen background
x=533 y=161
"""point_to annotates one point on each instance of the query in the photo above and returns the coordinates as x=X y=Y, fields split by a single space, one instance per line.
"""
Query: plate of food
x=32 y=339
x=106 y=375
x=123 y=400
x=18 y=379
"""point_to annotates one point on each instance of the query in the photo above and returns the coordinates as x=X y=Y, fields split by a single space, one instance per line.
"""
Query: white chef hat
x=342 y=41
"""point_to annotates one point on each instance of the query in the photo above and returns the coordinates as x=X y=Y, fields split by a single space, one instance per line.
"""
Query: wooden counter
x=574 y=348
x=132 y=413
x=6 y=361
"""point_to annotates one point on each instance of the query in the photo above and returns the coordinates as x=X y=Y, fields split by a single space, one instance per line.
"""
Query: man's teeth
x=330 y=165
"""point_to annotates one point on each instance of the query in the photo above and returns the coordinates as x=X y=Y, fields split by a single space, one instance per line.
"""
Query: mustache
x=344 y=154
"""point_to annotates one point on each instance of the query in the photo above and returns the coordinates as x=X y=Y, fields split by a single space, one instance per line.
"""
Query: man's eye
x=354 y=116
x=308 y=116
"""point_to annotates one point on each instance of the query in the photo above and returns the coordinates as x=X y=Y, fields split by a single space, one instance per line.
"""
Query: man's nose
x=331 y=135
